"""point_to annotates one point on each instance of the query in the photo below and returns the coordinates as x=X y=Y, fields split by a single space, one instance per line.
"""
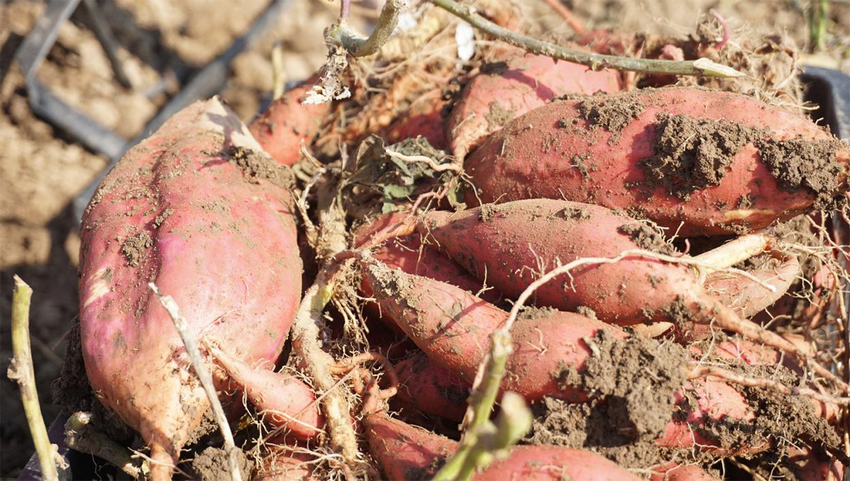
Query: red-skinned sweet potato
x=713 y=161
x=544 y=347
x=508 y=241
x=283 y=400
x=518 y=84
x=287 y=122
x=282 y=463
x=453 y=327
x=431 y=388
x=716 y=401
x=810 y=465
x=747 y=297
x=424 y=118
x=221 y=240
x=678 y=472
x=408 y=452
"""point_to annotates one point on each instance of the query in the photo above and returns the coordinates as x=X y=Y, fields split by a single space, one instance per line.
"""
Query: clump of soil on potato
x=612 y=114
x=692 y=154
x=799 y=231
x=135 y=248
x=637 y=378
x=257 y=166
x=498 y=116
x=573 y=213
x=812 y=165
x=646 y=237
x=212 y=465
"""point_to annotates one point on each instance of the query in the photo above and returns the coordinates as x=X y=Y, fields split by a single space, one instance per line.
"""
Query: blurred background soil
x=42 y=170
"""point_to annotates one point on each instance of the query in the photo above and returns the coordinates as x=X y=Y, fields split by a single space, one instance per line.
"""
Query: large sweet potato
x=509 y=242
x=713 y=161
x=519 y=83
x=194 y=209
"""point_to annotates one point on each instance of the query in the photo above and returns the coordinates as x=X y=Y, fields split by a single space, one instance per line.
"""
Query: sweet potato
x=431 y=388
x=678 y=472
x=212 y=230
x=810 y=465
x=747 y=297
x=514 y=86
x=711 y=161
x=410 y=255
x=450 y=326
x=424 y=118
x=284 y=400
x=509 y=241
x=408 y=452
x=453 y=327
x=281 y=128
x=716 y=402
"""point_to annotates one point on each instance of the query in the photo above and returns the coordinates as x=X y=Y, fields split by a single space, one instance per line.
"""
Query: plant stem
x=305 y=344
x=465 y=460
x=21 y=371
x=204 y=376
x=817 y=24
x=702 y=66
x=80 y=436
x=355 y=43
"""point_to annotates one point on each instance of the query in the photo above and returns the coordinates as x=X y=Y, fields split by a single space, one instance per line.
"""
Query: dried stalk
x=702 y=66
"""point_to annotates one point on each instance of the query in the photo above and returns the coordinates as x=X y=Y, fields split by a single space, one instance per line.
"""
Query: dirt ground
x=42 y=170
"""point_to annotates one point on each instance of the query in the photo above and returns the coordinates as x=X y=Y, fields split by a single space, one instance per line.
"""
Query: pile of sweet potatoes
x=664 y=347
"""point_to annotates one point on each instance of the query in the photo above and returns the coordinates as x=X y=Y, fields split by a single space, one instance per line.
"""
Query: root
x=727 y=375
x=347 y=365
x=317 y=364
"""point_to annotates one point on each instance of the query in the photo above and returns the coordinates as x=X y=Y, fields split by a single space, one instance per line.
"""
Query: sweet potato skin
x=535 y=156
x=281 y=128
x=508 y=240
x=716 y=401
x=747 y=297
x=177 y=211
x=409 y=254
x=431 y=388
x=284 y=401
x=527 y=81
x=407 y=452
x=456 y=338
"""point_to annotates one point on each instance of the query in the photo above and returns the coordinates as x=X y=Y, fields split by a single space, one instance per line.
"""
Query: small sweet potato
x=431 y=388
x=408 y=452
x=281 y=128
x=519 y=83
x=195 y=209
x=283 y=400
x=424 y=118
x=711 y=161
x=716 y=402
x=747 y=297
x=679 y=472
x=282 y=463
